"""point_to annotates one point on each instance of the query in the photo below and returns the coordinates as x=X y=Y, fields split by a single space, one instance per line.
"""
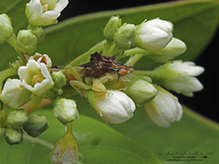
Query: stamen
x=45 y=8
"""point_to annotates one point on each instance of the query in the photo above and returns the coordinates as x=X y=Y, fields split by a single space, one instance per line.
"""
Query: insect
x=98 y=75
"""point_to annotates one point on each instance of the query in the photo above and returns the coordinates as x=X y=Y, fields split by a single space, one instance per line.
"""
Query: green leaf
x=192 y=134
x=15 y=10
x=194 y=137
x=194 y=22
x=99 y=144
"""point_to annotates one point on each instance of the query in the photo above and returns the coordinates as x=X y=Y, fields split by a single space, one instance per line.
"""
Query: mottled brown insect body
x=100 y=65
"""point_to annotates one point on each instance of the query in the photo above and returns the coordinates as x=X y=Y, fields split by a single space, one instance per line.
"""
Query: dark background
x=204 y=102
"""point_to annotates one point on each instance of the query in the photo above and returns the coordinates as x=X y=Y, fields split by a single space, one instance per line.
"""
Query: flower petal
x=34 y=9
x=61 y=4
x=32 y=68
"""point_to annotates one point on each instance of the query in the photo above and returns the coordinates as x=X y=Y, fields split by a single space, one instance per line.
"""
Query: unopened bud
x=27 y=41
x=114 y=106
x=36 y=125
x=173 y=49
x=13 y=136
x=164 y=109
x=154 y=35
x=39 y=33
x=125 y=36
x=59 y=79
x=6 y=28
x=141 y=91
x=17 y=118
x=66 y=110
x=111 y=27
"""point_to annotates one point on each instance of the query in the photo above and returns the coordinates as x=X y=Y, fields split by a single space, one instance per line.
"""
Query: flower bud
x=125 y=36
x=39 y=33
x=154 y=35
x=36 y=125
x=59 y=79
x=141 y=91
x=27 y=41
x=111 y=27
x=17 y=118
x=13 y=136
x=14 y=94
x=66 y=110
x=164 y=109
x=173 y=49
x=114 y=107
x=180 y=77
x=6 y=28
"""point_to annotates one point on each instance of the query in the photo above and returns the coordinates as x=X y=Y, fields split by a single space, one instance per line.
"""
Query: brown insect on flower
x=99 y=73
x=100 y=65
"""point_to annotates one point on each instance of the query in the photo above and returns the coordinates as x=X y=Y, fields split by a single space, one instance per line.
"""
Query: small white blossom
x=14 y=94
x=44 y=12
x=154 y=34
x=180 y=77
x=164 y=109
x=114 y=107
x=35 y=77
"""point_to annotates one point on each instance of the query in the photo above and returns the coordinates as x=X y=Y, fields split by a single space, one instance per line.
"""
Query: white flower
x=114 y=107
x=180 y=77
x=14 y=94
x=35 y=77
x=154 y=34
x=44 y=12
x=6 y=28
x=164 y=109
x=66 y=110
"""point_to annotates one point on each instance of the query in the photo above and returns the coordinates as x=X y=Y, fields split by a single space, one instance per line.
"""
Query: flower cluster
x=154 y=39
x=36 y=80
x=113 y=89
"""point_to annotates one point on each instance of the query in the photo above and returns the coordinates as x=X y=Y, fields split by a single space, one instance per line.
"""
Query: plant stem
x=145 y=73
x=135 y=51
x=69 y=128
x=33 y=104
x=133 y=59
x=12 y=41
x=38 y=141
x=85 y=57
x=4 y=113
